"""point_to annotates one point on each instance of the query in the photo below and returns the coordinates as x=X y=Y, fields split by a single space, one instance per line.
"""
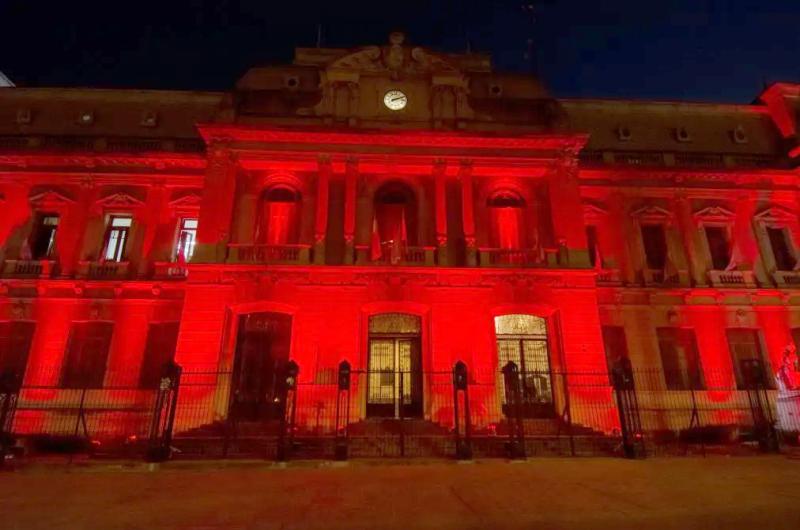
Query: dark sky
x=665 y=49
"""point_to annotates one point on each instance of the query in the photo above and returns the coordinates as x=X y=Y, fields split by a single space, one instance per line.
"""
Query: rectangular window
x=187 y=235
x=117 y=238
x=43 y=236
x=162 y=338
x=718 y=246
x=15 y=345
x=87 y=354
x=745 y=346
x=680 y=359
x=615 y=345
x=655 y=246
x=781 y=249
x=591 y=241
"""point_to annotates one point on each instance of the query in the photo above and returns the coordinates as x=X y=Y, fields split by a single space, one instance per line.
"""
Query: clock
x=395 y=100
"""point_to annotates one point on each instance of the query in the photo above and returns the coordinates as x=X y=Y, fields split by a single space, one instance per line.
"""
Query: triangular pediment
x=652 y=212
x=49 y=199
x=188 y=200
x=593 y=211
x=776 y=214
x=714 y=213
x=119 y=200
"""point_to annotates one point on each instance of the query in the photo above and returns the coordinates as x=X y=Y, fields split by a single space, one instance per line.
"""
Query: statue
x=787 y=402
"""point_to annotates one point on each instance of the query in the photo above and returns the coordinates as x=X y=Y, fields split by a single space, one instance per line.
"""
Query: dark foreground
x=551 y=494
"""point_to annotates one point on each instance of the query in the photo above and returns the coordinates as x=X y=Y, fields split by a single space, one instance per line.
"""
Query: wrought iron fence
x=460 y=412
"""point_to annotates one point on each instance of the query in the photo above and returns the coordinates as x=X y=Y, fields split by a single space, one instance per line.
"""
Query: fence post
x=160 y=442
x=516 y=432
x=342 y=418
x=628 y=407
x=763 y=422
x=289 y=391
x=10 y=384
x=461 y=388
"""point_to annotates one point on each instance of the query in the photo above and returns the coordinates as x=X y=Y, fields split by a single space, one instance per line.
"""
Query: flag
x=375 y=243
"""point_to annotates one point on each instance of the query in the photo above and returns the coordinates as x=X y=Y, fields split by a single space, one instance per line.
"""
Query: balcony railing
x=103 y=270
x=21 y=268
x=404 y=256
x=169 y=270
x=266 y=254
x=732 y=278
x=609 y=277
x=787 y=278
x=659 y=277
x=524 y=257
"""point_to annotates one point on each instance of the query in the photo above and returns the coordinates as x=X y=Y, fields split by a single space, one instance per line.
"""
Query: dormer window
x=682 y=135
x=86 y=118
x=738 y=135
x=149 y=119
x=623 y=133
x=24 y=116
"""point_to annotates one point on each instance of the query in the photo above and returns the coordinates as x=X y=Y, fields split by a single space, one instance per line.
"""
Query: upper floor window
x=43 y=237
x=395 y=223
x=593 y=247
x=15 y=345
x=505 y=218
x=718 y=246
x=87 y=354
x=655 y=246
x=117 y=235
x=280 y=215
x=781 y=248
x=680 y=359
x=187 y=236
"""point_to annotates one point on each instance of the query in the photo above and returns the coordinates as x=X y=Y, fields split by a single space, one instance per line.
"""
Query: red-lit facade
x=299 y=217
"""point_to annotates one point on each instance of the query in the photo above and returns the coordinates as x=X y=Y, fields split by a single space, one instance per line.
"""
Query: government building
x=318 y=247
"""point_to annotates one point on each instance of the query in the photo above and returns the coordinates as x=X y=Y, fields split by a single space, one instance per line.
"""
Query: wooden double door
x=262 y=351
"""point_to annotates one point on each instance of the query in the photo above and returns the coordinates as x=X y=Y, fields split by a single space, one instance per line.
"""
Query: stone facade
x=481 y=196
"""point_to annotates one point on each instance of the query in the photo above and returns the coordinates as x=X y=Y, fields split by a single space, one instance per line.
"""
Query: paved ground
x=551 y=494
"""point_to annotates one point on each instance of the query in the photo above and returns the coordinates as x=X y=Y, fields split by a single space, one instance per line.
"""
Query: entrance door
x=394 y=367
x=522 y=339
x=262 y=349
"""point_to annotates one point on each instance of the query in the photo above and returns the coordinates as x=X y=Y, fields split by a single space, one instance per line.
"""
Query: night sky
x=658 y=49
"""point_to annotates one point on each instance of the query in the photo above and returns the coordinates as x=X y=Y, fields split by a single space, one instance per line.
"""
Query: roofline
x=757 y=108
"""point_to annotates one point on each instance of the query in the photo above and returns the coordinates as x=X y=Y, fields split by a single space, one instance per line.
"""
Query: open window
x=187 y=237
x=116 y=239
x=745 y=349
x=43 y=236
x=655 y=245
x=506 y=210
x=394 y=227
x=279 y=216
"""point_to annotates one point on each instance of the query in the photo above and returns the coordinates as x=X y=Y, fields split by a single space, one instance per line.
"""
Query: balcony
x=524 y=257
x=732 y=278
x=103 y=270
x=170 y=270
x=787 y=278
x=609 y=277
x=660 y=278
x=20 y=268
x=401 y=256
x=269 y=254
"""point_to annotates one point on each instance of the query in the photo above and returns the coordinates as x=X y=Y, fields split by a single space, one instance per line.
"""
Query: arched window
x=279 y=217
x=505 y=219
x=395 y=223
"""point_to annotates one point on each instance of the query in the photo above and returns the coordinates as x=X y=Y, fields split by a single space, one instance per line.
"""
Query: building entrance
x=394 y=367
x=262 y=349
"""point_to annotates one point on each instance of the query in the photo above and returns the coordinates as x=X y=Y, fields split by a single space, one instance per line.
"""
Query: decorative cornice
x=49 y=199
x=545 y=142
x=714 y=213
x=119 y=200
x=189 y=200
x=196 y=162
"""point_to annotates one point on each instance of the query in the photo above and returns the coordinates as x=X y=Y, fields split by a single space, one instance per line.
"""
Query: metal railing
x=280 y=254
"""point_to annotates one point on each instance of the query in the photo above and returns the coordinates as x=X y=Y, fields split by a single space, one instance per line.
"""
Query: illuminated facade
x=402 y=210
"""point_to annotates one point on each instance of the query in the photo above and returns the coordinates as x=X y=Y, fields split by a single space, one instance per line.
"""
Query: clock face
x=395 y=100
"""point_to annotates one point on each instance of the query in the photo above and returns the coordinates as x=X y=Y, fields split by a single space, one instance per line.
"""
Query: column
x=468 y=211
x=689 y=233
x=440 y=185
x=321 y=221
x=565 y=201
x=149 y=219
x=213 y=232
x=350 y=188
